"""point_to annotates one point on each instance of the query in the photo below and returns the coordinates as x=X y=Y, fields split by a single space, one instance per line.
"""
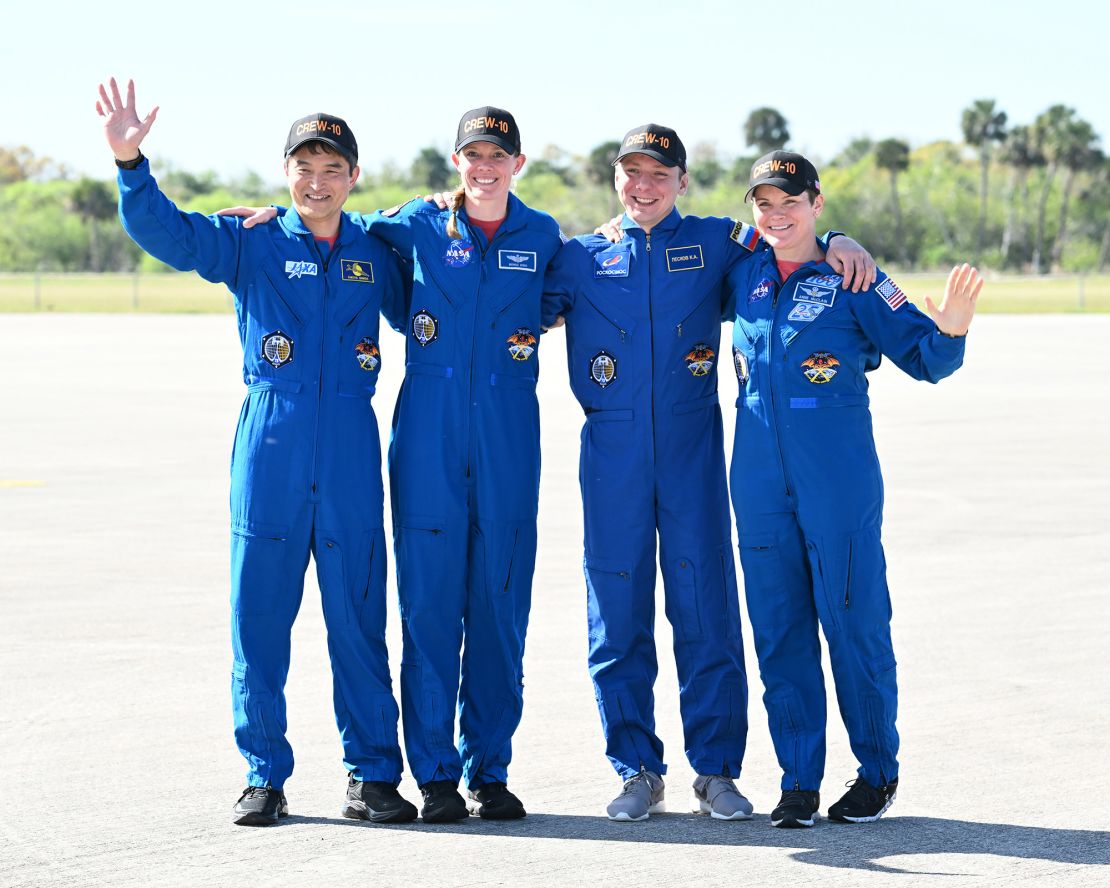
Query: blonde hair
x=454 y=206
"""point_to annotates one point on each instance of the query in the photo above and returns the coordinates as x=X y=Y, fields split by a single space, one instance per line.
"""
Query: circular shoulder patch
x=277 y=349
x=425 y=327
x=603 y=369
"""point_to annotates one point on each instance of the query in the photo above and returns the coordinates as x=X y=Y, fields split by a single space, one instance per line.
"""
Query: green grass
x=186 y=293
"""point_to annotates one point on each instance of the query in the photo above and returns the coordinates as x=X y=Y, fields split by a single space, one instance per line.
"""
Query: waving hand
x=122 y=127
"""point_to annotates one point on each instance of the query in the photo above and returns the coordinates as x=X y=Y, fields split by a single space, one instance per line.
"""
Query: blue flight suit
x=808 y=495
x=643 y=320
x=306 y=464
x=464 y=468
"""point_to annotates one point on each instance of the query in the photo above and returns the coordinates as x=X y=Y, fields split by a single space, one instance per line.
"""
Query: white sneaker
x=641 y=796
x=718 y=797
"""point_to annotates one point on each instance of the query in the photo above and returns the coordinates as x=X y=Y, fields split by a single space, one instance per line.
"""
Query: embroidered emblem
x=358 y=270
x=521 y=344
x=459 y=253
x=297 y=269
x=277 y=349
x=611 y=264
x=805 y=311
x=740 y=362
x=368 y=355
x=825 y=280
x=819 y=367
x=745 y=235
x=603 y=368
x=891 y=294
x=762 y=289
x=685 y=258
x=807 y=292
x=425 y=327
x=516 y=260
x=699 y=360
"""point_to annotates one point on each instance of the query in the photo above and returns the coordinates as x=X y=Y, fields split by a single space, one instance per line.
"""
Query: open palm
x=122 y=127
x=956 y=310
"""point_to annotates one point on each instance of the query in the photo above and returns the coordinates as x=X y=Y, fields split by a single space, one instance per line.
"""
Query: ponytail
x=455 y=205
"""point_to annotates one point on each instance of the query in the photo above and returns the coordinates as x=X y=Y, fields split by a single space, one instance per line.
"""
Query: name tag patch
x=685 y=258
x=296 y=269
x=805 y=311
x=516 y=260
x=611 y=264
x=358 y=270
x=807 y=292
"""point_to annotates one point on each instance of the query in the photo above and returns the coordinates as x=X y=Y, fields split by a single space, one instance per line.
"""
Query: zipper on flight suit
x=651 y=336
x=324 y=261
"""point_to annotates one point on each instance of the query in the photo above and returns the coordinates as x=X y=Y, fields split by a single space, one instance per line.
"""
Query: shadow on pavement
x=827 y=844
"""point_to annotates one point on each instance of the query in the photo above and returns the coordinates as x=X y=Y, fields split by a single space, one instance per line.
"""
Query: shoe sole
x=795 y=823
x=478 y=810
x=253 y=818
x=843 y=818
x=625 y=817
x=361 y=811
x=444 y=816
x=699 y=806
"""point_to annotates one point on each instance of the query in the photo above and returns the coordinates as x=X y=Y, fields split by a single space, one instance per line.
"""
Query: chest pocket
x=273 y=326
x=360 y=358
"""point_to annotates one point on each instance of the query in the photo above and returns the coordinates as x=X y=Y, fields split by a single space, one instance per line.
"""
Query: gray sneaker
x=718 y=797
x=640 y=797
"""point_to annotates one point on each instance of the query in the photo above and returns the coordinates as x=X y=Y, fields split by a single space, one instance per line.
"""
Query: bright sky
x=231 y=76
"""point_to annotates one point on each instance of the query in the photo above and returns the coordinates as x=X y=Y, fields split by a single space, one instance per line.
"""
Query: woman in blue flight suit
x=807 y=487
x=464 y=466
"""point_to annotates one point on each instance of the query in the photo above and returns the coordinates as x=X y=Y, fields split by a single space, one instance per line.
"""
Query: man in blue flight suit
x=643 y=335
x=807 y=487
x=306 y=465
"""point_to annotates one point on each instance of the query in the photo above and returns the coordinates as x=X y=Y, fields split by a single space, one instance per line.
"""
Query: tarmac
x=117 y=763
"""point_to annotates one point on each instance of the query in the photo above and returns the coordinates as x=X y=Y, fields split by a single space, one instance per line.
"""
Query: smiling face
x=787 y=222
x=319 y=182
x=648 y=189
x=487 y=172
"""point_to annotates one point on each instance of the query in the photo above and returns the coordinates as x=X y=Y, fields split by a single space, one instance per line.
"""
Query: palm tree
x=1078 y=154
x=95 y=202
x=1051 y=132
x=893 y=155
x=982 y=124
x=1020 y=153
x=766 y=129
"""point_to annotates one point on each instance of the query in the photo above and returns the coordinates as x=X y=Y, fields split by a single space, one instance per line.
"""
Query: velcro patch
x=611 y=263
x=891 y=294
x=804 y=291
x=516 y=260
x=360 y=270
x=746 y=235
x=685 y=258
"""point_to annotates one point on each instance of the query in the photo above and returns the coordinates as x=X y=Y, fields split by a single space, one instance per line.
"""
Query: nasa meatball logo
x=521 y=344
x=425 y=327
x=603 y=369
x=368 y=355
x=699 y=360
x=820 y=367
x=740 y=362
x=277 y=349
x=459 y=253
x=762 y=289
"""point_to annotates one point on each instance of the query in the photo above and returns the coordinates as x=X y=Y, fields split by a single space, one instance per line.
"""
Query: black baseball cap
x=659 y=142
x=786 y=170
x=332 y=131
x=489 y=124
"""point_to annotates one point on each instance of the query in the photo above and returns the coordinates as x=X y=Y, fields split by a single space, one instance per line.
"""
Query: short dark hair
x=317 y=147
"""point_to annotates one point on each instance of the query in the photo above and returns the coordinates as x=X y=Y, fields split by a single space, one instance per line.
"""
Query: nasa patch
x=820 y=367
x=277 y=349
x=699 y=360
x=359 y=270
x=804 y=291
x=425 y=327
x=367 y=353
x=740 y=362
x=521 y=344
x=459 y=253
x=611 y=264
x=603 y=368
x=805 y=312
x=762 y=290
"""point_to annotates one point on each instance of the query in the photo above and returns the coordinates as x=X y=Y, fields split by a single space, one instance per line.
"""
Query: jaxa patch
x=761 y=291
x=368 y=355
x=805 y=312
x=820 y=367
x=521 y=344
x=685 y=258
x=516 y=260
x=357 y=270
x=891 y=294
x=603 y=368
x=740 y=362
x=825 y=280
x=425 y=327
x=459 y=253
x=277 y=349
x=745 y=235
x=296 y=269
x=804 y=291
x=699 y=360
x=611 y=264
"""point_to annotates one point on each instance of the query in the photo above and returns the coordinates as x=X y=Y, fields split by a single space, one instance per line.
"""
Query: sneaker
x=260 y=806
x=641 y=796
x=377 y=802
x=442 y=802
x=863 y=803
x=796 y=808
x=494 y=802
x=718 y=797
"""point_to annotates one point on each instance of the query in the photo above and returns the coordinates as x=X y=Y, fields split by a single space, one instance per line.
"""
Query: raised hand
x=958 y=306
x=122 y=127
x=253 y=215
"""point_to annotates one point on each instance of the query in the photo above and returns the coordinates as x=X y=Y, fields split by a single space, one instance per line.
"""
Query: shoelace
x=632 y=783
x=859 y=789
x=251 y=791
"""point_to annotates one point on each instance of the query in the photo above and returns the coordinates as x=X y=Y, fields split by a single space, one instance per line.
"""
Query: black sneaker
x=863 y=803
x=260 y=806
x=796 y=808
x=377 y=802
x=494 y=802
x=442 y=802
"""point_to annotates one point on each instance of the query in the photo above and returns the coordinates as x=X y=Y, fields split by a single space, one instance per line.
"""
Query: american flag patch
x=891 y=293
x=745 y=235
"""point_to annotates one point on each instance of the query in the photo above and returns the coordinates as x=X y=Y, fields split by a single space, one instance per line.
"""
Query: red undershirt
x=489 y=226
x=330 y=241
x=787 y=268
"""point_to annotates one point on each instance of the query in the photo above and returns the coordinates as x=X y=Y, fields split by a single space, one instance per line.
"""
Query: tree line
x=1031 y=197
